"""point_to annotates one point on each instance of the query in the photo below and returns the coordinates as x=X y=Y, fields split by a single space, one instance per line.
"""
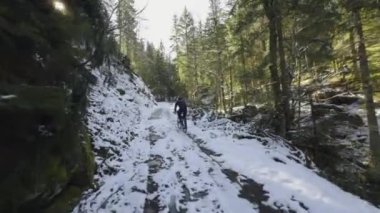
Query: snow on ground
x=146 y=164
x=114 y=120
x=289 y=184
x=7 y=97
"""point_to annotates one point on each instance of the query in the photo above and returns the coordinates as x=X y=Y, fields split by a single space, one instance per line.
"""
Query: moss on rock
x=66 y=201
x=43 y=149
x=84 y=174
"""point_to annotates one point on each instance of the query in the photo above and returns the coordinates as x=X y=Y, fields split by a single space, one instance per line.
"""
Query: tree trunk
x=275 y=81
x=299 y=68
x=244 y=70
x=354 y=55
x=313 y=117
x=334 y=66
x=368 y=91
x=285 y=78
x=221 y=73
x=195 y=68
x=187 y=74
x=223 y=95
x=224 y=98
x=231 y=86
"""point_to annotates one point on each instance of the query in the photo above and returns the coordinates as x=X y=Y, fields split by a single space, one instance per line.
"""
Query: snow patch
x=7 y=97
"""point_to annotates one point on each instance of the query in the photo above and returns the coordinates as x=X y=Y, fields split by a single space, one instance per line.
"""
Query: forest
x=296 y=62
x=304 y=71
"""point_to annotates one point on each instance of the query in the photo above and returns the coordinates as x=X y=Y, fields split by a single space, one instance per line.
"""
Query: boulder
x=323 y=94
x=245 y=115
x=236 y=118
x=250 y=111
x=348 y=118
x=321 y=109
x=343 y=99
x=265 y=119
x=196 y=113
x=333 y=96
x=339 y=148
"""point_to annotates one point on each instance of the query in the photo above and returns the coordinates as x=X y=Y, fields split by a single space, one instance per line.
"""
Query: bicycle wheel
x=183 y=123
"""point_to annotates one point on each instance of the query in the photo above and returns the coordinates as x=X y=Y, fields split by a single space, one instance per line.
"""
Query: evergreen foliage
x=271 y=53
x=278 y=54
x=46 y=54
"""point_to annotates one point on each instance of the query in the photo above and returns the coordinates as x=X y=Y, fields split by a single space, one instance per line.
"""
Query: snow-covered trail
x=163 y=170
x=182 y=176
x=146 y=164
x=217 y=168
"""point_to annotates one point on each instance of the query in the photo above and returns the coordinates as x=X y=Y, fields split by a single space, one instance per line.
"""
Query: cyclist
x=182 y=111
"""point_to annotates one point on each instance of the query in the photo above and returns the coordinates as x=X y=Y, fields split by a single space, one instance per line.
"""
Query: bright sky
x=157 y=19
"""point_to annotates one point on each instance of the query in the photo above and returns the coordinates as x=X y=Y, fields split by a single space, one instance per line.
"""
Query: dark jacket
x=181 y=104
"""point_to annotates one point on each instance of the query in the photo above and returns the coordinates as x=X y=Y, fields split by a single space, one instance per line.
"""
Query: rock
x=36 y=167
x=321 y=110
x=343 y=99
x=236 y=118
x=196 y=113
x=339 y=149
x=102 y=112
x=204 y=96
x=265 y=119
x=66 y=201
x=333 y=96
x=83 y=175
x=326 y=93
x=155 y=163
x=244 y=115
x=250 y=111
x=349 y=118
x=121 y=91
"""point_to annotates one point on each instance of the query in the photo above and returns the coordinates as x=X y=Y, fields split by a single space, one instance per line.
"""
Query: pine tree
x=127 y=24
x=354 y=7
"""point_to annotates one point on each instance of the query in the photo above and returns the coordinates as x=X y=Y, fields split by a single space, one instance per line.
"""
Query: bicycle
x=181 y=123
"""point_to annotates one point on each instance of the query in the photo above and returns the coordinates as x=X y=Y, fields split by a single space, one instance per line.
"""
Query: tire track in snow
x=249 y=189
x=186 y=179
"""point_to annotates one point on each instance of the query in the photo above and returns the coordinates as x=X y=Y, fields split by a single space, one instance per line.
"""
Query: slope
x=145 y=164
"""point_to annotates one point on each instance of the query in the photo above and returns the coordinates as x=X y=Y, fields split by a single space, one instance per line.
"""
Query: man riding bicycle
x=182 y=111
